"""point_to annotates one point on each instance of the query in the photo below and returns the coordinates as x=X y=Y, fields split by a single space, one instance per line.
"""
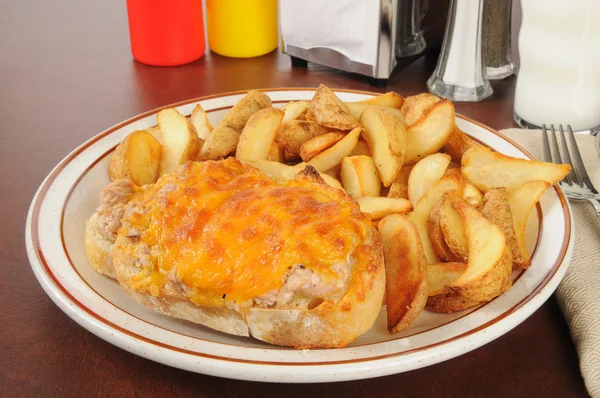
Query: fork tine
x=555 y=144
x=546 y=145
x=579 y=166
x=571 y=176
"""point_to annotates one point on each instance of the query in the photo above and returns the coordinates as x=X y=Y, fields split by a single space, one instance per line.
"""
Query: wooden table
x=66 y=74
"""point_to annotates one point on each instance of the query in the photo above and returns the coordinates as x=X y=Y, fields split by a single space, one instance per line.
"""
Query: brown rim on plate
x=39 y=253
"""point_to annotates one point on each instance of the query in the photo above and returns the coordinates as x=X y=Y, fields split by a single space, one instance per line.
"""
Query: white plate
x=69 y=195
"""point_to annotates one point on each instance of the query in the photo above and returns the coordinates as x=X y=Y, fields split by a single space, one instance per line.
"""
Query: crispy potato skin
x=399 y=188
x=406 y=282
x=224 y=138
x=416 y=106
x=294 y=133
x=490 y=261
x=496 y=208
x=327 y=110
x=453 y=229
x=457 y=144
x=448 y=303
x=436 y=234
x=332 y=157
x=318 y=144
x=137 y=157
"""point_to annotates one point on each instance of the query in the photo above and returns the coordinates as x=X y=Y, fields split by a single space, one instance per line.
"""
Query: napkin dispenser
x=358 y=36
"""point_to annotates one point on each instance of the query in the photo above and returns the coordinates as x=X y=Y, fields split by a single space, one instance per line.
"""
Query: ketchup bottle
x=166 y=32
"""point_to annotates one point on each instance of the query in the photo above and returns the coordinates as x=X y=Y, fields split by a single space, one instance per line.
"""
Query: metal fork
x=577 y=184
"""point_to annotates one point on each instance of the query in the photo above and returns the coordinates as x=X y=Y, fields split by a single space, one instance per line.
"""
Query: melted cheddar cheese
x=232 y=232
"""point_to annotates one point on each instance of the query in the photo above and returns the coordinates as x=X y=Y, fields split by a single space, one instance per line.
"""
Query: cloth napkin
x=579 y=293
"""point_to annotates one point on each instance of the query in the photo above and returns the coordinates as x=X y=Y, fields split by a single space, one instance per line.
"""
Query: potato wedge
x=318 y=144
x=448 y=303
x=405 y=270
x=285 y=172
x=276 y=170
x=385 y=133
x=379 y=207
x=522 y=201
x=490 y=262
x=416 y=106
x=333 y=156
x=359 y=176
x=486 y=169
x=179 y=138
x=436 y=235
x=428 y=134
x=399 y=188
x=497 y=210
x=331 y=181
x=334 y=172
x=334 y=182
x=452 y=169
x=294 y=109
x=224 y=138
x=420 y=215
x=251 y=103
x=137 y=157
x=199 y=119
x=258 y=134
x=453 y=230
x=391 y=99
x=276 y=153
x=425 y=174
x=293 y=133
x=458 y=143
x=154 y=131
x=357 y=108
x=440 y=275
x=361 y=148
x=329 y=111
x=473 y=196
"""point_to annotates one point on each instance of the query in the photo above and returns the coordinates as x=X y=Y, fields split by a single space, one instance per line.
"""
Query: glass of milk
x=559 y=77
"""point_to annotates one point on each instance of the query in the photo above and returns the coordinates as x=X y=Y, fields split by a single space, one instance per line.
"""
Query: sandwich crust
x=292 y=263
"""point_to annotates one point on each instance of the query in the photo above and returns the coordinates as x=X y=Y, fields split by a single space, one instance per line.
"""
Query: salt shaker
x=460 y=74
x=497 y=40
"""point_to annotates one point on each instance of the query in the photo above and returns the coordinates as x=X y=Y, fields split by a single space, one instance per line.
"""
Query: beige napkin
x=579 y=293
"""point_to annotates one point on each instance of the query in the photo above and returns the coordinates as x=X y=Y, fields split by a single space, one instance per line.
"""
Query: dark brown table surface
x=66 y=73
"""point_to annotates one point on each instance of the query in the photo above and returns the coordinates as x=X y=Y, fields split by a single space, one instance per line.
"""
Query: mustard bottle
x=242 y=28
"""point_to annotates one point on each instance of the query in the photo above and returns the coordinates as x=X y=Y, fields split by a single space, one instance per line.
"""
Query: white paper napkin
x=347 y=26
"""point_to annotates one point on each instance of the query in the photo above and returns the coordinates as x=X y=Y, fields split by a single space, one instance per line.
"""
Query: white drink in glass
x=559 y=77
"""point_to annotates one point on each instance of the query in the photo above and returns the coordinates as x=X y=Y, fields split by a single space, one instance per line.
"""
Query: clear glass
x=409 y=37
x=497 y=39
x=559 y=75
x=460 y=73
